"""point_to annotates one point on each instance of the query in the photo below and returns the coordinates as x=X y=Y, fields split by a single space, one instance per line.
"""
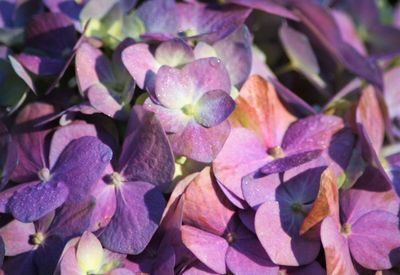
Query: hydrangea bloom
x=199 y=137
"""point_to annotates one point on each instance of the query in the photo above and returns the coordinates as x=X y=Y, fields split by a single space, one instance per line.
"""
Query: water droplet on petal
x=215 y=62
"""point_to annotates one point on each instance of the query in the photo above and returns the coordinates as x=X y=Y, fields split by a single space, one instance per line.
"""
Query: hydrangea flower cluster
x=198 y=137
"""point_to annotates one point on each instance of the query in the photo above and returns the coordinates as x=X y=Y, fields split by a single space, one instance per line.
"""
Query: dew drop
x=215 y=62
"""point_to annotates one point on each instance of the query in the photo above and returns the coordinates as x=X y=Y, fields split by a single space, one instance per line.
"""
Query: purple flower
x=262 y=140
x=192 y=105
x=145 y=168
x=67 y=179
x=215 y=235
x=364 y=227
x=106 y=84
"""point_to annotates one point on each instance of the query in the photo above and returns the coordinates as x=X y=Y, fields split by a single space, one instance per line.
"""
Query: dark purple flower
x=145 y=168
x=53 y=36
x=47 y=185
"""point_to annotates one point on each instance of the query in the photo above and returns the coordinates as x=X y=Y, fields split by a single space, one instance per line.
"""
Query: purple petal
x=322 y=24
x=92 y=67
x=69 y=8
x=158 y=16
x=53 y=33
x=391 y=94
x=367 y=195
x=375 y=240
x=176 y=88
x=282 y=164
x=337 y=254
x=208 y=248
x=311 y=133
x=348 y=31
x=199 y=269
x=81 y=165
x=64 y=135
x=146 y=154
x=200 y=143
x=267 y=6
x=213 y=108
x=41 y=65
x=242 y=154
x=7 y=194
x=247 y=256
x=258 y=188
x=15 y=236
x=235 y=52
x=22 y=264
x=313 y=268
x=301 y=55
x=30 y=204
x=73 y=219
x=210 y=25
x=174 y=53
x=281 y=247
x=139 y=208
x=172 y=120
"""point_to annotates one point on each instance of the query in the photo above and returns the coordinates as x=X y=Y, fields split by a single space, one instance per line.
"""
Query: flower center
x=346 y=229
x=298 y=208
x=44 y=174
x=37 y=239
x=231 y=237
x=276 y=152
x=116 y=179
x=188 y=110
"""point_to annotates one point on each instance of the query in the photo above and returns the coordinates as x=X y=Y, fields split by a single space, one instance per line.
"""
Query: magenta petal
x=281 y=247
x=208 y=248
x=247 y=256
x=92 y=67
x=375 y=240
x=16 y=236
x=141 y=64
x=337 y=254
x=242 y=154
x=235 y=52
x=105 y=101
x=30 y=204
x=213 y=108
x=139 y=209
x=172 y=120
x=200 y=143
x=146 y=153
x=258 y=188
